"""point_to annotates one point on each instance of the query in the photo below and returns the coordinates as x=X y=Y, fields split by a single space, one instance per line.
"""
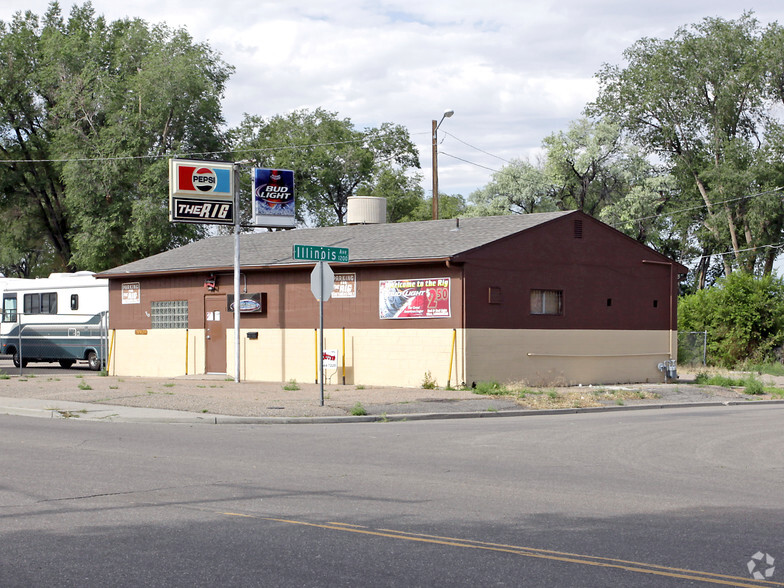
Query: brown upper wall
x=598 y=265
x=589 y=262
x=290 y=302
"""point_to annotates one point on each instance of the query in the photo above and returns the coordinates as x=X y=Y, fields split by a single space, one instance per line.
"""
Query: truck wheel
x=16 y=360
x=93 y=362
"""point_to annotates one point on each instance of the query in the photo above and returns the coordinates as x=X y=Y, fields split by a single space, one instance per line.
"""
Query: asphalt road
x=653 y=498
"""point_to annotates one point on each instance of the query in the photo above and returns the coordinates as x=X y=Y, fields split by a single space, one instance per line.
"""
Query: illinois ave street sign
x=318 y=253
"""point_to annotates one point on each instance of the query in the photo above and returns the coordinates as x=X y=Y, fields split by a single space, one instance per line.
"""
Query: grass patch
x=771 y=369
x=85 y=386
x=169 y=385
x=359 y=387
x=291 y=385
x=491 y=389
x=4 y=376
x=358 y=410
x=750 y=384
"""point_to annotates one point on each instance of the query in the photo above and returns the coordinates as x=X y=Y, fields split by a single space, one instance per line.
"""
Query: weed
x=552 y=394
x=490 y=389
x=772 y=369
x=103 y=373
x=4 y=376
x=292 y=385
x=619 y=402
x=429 y=383
x=200 y=386
x=358 y=410
x=113 y=387
x=169 y=385
x=85 y=386
x=754 y=387
x=492 y=409
x=204 y=410
x=360 y=387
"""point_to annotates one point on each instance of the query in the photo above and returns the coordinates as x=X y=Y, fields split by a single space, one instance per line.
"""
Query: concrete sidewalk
x=218 y=400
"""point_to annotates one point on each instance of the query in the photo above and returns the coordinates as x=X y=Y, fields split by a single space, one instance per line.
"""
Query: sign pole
x=321 y=265
x=236 y=275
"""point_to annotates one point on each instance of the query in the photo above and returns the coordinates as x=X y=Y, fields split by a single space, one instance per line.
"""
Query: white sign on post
x=322 y=281
x=330 y=359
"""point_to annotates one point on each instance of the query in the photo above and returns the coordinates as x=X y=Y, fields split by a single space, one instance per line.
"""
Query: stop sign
x=322 y=281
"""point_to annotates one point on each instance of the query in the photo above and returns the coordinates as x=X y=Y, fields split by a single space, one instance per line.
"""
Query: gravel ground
x=217 y=395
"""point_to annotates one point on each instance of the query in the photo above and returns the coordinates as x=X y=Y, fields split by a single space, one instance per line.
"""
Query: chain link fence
x=692 y=347
x=64 y=339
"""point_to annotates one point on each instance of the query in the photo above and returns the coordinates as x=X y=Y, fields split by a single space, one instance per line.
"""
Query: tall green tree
x=89 y=113
x=332 y=160
x=589 y=167
x=701 y=103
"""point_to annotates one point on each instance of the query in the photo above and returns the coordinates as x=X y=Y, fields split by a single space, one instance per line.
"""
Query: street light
x=447 y=114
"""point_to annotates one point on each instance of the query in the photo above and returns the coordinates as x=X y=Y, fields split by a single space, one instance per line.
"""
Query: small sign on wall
x=131 y=293
x=255 y=302
x=345 y=286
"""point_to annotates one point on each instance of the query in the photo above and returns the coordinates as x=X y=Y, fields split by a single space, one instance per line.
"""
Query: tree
x=331 y=159
x=89 y=113
x=700 y=102
x=743 y=315
x=519 y=187
x=590 y=167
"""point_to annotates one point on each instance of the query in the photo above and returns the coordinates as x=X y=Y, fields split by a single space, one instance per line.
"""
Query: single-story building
x=548 y=298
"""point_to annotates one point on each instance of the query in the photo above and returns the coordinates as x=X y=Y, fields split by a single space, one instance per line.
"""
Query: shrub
x=358 y=410
x=743 y=315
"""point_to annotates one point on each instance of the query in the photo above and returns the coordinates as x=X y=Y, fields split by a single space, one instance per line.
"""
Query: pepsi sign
x=208 y=178
x=201 y=192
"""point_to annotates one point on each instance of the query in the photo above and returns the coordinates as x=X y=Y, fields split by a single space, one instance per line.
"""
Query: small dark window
x=609 y=302
x=547 y=302
x=656 y=304
x=74 y=302
x=32 y=304
x=49 y=303
x=578 y=229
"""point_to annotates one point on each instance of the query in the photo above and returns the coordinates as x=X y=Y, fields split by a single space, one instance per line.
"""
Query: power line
x=477 y=148
x=190 y=154
x=469 y=162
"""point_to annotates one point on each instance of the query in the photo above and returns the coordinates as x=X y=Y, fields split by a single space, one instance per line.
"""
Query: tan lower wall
x=402 y=357
x=156 y=352
x=551 y=358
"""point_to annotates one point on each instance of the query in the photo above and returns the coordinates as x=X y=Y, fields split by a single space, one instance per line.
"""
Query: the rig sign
x=201 y=192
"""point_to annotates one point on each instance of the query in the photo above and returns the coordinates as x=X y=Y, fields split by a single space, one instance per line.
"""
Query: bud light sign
x=273 y=198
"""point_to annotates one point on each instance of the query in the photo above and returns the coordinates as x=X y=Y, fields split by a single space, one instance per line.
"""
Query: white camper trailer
x=62 y=318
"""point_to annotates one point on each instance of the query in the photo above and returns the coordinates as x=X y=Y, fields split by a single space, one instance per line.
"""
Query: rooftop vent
x=366 y=210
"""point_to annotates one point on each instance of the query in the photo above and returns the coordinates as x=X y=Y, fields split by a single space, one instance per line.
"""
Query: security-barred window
x=169 y=314
x=547 y=302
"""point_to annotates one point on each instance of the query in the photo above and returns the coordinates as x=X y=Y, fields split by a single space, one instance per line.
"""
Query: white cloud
x=513 y=71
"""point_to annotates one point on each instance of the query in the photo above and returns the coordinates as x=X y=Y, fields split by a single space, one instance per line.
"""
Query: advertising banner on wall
x=273 y=198
x=416 y=298
x=201 y=192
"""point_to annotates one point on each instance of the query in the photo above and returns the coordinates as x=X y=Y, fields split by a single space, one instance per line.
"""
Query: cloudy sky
x=513 y=71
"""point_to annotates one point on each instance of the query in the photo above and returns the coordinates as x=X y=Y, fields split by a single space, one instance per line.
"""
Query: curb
x=97 y=412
